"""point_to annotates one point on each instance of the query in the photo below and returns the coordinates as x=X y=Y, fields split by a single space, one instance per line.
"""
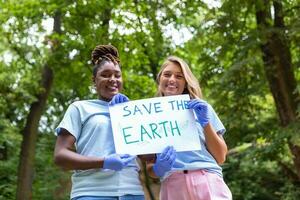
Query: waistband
x=201 y=171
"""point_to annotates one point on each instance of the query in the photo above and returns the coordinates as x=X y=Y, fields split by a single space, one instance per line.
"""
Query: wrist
x=101 y=162
x=203 y=123
x=156 y=171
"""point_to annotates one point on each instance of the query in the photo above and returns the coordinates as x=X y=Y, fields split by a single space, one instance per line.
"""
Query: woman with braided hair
x=99 y=173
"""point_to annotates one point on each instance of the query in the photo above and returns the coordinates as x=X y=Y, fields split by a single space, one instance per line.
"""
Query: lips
x=172 y=87
x=113 y=88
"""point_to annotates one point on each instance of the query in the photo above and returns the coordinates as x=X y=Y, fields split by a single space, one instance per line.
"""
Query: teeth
x=112 y=87
x=171 y=86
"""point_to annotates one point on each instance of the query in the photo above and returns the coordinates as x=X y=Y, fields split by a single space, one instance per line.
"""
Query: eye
x=179 y=76
x=167 y=74
x=118 y=75
x=105 y=75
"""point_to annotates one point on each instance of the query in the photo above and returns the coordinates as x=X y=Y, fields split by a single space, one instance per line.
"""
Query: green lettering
x=175 y=128
x=153 y=127
x=164 y=125
x=144 y=131
x=127 y=135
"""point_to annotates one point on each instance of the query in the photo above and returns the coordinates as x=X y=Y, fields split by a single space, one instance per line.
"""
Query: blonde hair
x=192 y=84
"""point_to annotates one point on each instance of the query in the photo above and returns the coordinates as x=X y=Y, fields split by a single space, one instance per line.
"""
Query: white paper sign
x=149 y=125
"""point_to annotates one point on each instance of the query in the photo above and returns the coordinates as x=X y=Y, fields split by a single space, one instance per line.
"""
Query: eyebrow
x=173 y=72
x=109 y=70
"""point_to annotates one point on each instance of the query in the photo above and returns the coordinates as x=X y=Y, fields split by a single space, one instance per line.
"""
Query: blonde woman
x=194 y=175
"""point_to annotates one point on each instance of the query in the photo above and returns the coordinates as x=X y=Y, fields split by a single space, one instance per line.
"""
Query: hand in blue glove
x=164 y=161
x=201 y=109
x=118 y=98
x=117 y=162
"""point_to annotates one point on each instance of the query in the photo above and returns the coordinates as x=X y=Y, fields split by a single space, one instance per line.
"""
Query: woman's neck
x=104 y=99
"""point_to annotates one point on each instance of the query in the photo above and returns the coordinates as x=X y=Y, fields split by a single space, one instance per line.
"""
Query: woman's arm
x=215 y=144
x=149 y=167
x=67 y=158
x=149 y=160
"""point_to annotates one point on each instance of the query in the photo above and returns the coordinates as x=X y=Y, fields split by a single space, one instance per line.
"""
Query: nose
x=112 y=78
x=172 y=78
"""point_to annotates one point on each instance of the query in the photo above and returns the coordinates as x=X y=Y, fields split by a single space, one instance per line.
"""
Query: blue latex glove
x=117 y=162
x=201 y=109
x=164 y=161
x=118 y=98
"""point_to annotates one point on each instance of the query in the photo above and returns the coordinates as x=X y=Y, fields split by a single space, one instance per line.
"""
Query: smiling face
x=172 y=81
x=108 y=80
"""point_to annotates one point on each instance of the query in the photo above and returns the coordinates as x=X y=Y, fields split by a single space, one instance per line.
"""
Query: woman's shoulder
x=89 y=102
x=211 y=109
x=79 y=103
x=90 y=105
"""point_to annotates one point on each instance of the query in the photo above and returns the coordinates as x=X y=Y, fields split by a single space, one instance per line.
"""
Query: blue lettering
x=124 y=108
x=172 y=104
x=180 y=105
x=136 y=109
x=157 y=107
x=186 y=104
x=148 y=110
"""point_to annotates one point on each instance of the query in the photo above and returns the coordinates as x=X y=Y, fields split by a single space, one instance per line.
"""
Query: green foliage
x=223 y=51
x=139 y=86
x=9 y=140
x=50 y=181
x=261 y=172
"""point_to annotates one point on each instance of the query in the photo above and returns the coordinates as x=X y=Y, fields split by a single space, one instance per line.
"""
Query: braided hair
x=102 y=54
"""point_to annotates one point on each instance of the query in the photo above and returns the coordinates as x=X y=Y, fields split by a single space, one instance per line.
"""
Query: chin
x=170 y=93
x=116 y=92
x=167 y=93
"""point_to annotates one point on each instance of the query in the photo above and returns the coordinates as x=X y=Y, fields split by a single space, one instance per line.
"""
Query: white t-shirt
x=89 y=122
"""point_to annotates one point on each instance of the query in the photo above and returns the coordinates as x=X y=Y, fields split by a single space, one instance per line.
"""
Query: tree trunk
x=153 y=50
x=278 y=67
x=25 y=174
x=30 y=131
x=106 y=17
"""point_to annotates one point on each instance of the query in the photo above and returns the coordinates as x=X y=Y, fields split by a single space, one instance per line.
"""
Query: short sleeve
x=71 y=122
x=215 y=121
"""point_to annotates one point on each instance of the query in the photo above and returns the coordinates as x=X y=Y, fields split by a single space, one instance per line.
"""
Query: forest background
x=244 y=53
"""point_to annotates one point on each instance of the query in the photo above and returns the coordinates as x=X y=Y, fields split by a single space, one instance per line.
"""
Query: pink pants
x=194 y=185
